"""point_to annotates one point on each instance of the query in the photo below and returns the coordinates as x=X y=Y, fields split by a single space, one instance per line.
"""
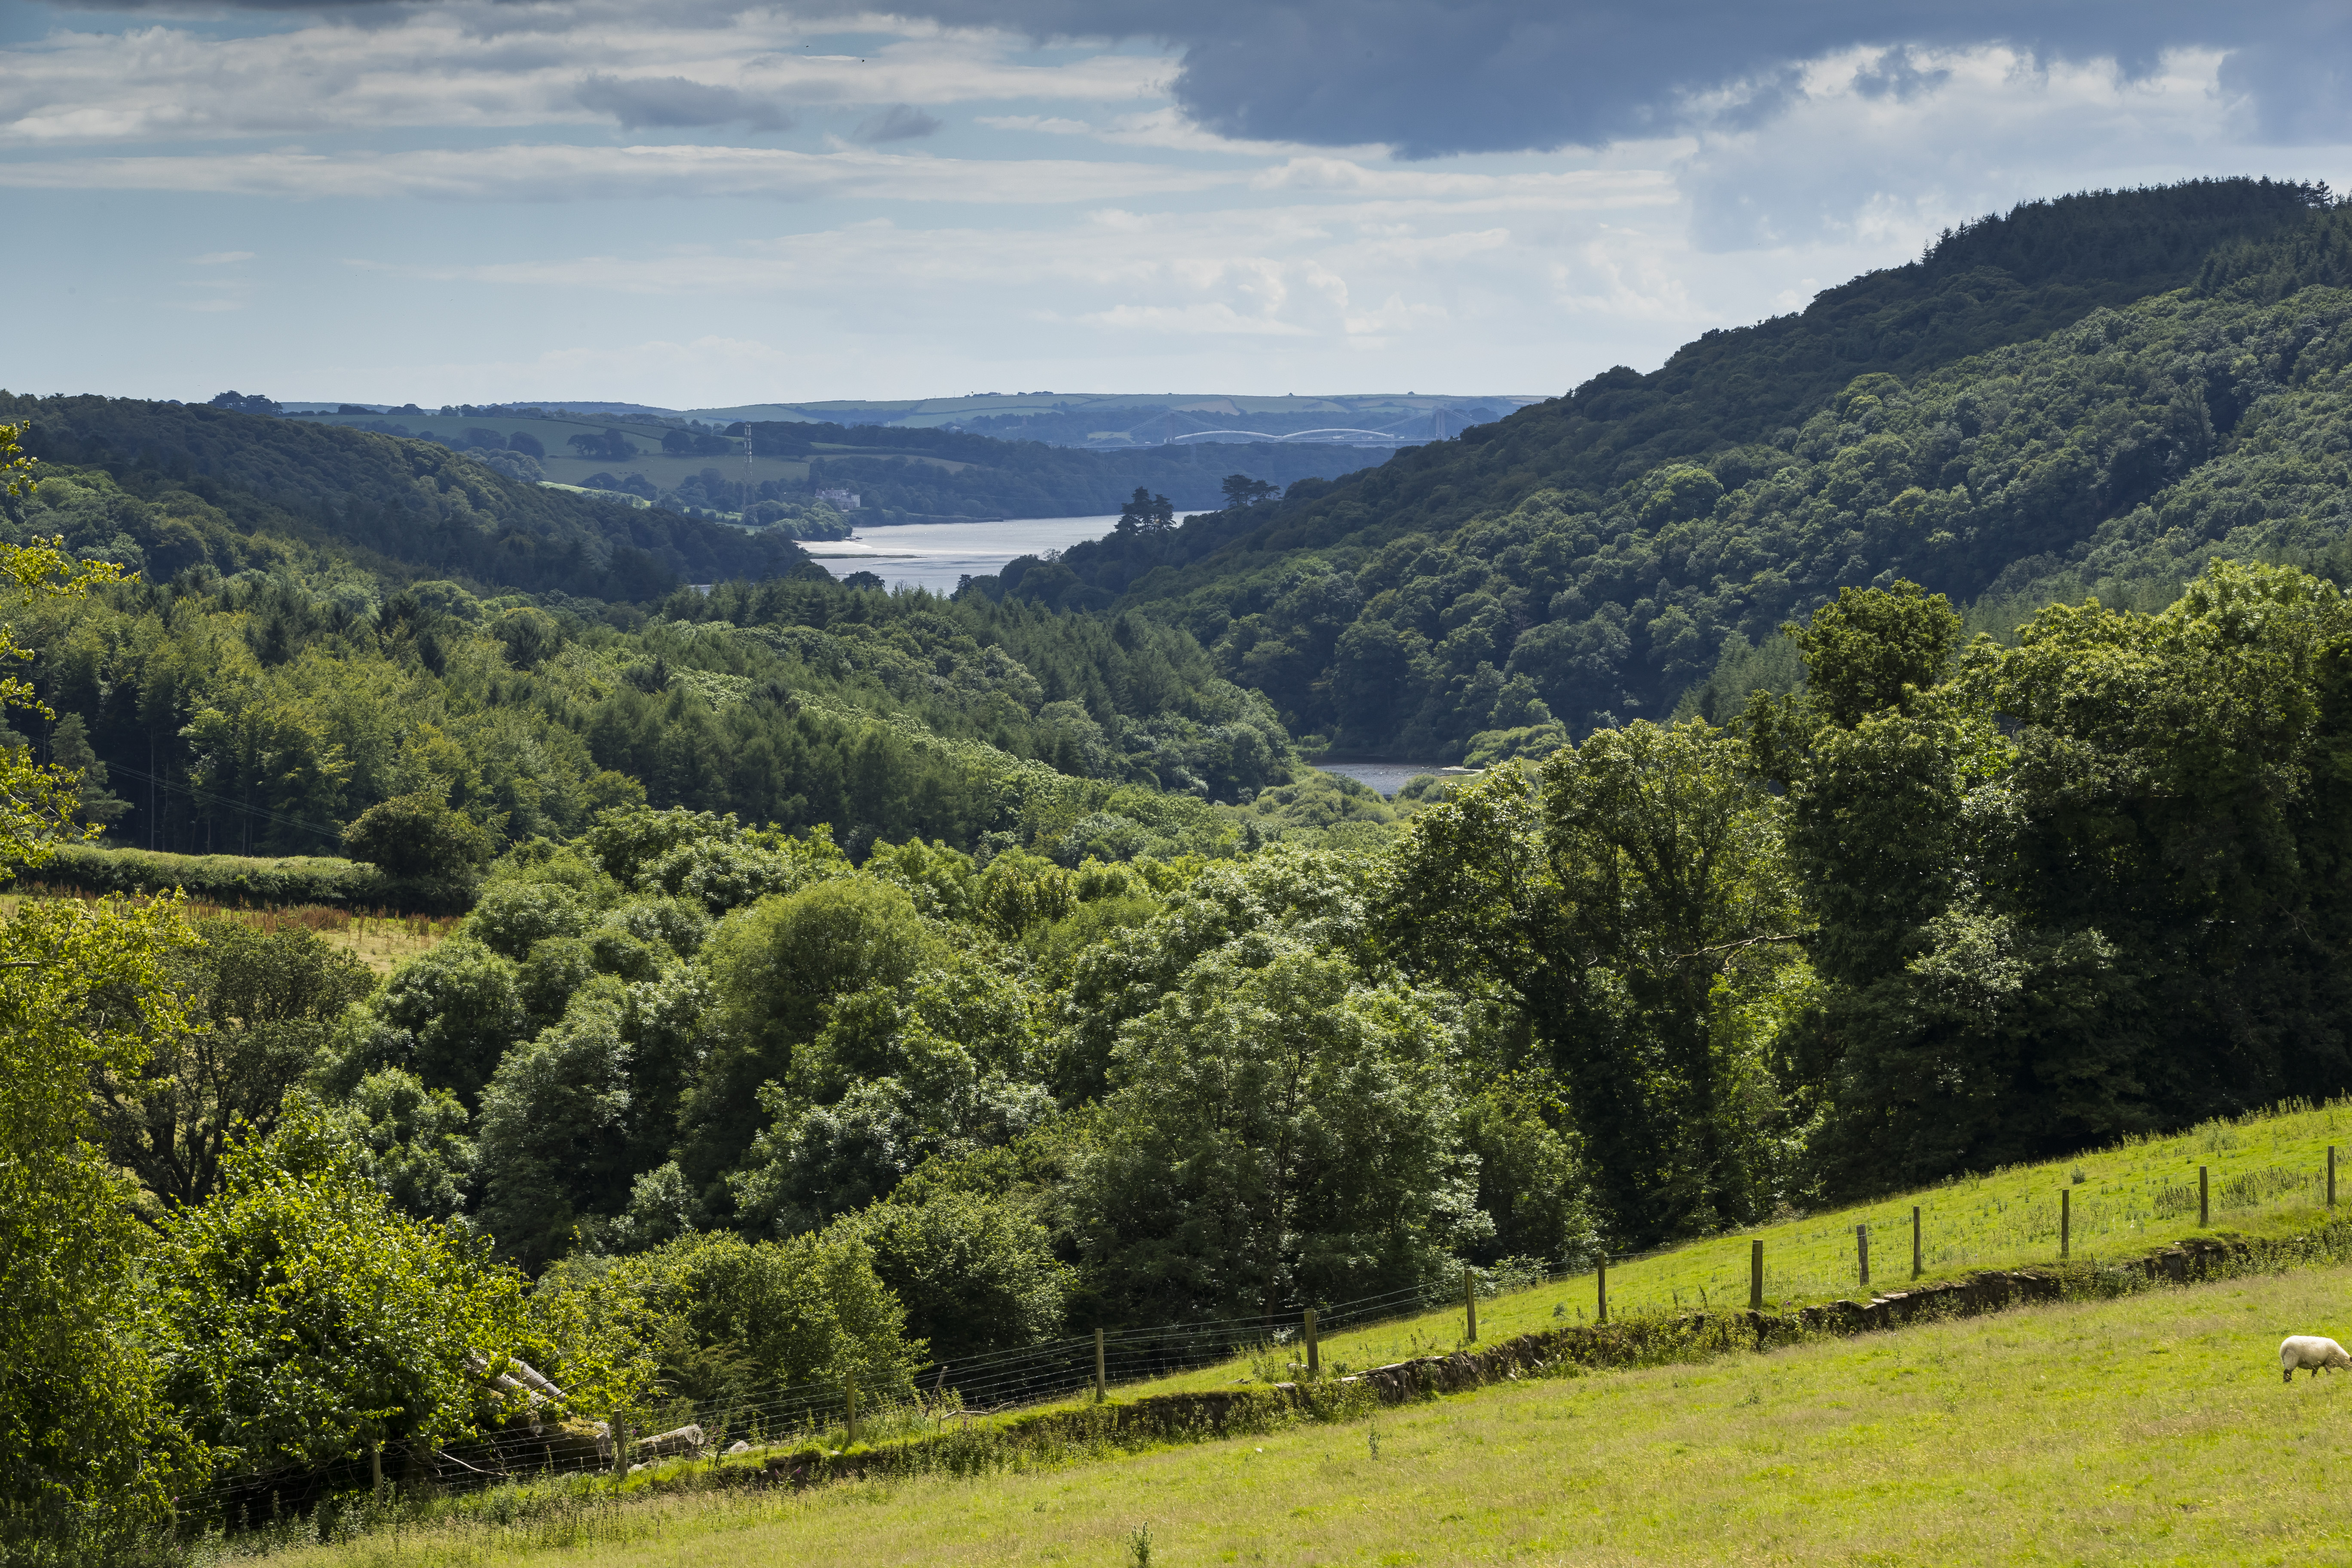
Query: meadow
x=381 y=940
x=2150 y=1428
x=2265 y=1174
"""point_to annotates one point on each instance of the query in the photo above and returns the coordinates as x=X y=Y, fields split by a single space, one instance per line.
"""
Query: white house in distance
x=840 y=500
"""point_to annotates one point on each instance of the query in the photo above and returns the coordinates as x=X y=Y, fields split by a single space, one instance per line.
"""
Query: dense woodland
x=398 y=506
x=854 y=982
x=2023 y=413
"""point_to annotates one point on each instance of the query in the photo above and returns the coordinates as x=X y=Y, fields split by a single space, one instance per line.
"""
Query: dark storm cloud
x=675 y=102
x=1434 y=77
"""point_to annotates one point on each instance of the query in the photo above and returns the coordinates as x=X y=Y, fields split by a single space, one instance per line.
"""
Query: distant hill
x=2029 y=409
x=1125 y=420
x=908 y=474
x=411 y=507
x=901 y=474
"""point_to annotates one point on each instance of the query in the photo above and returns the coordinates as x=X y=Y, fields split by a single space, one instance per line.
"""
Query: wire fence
x=818 y=1413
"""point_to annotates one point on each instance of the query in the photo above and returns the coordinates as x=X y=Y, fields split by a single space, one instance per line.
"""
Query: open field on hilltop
x=379 y=940
x=2266 y=1176
x=668 y=472
x=2152 y=1428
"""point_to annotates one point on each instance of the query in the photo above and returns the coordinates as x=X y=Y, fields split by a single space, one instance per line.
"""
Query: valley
x=495 y=959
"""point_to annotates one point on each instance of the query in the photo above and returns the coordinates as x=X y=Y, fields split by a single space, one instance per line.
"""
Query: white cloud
x=1166 y=128
x=566 y=172
x=1213 y=316
x=479 y=65
x=1144 y=246
x=1840 y=162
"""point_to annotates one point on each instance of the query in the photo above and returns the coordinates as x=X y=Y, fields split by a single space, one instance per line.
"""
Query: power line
x=196 y=794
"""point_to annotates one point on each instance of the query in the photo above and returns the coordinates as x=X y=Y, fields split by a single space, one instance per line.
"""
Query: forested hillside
x=905 y=474
x=266 y=694
x=1591 y=558
x=409 y=508
x=901 y=474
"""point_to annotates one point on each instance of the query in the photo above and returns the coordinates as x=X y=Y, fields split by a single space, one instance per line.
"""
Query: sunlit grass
x=2265 y=1175
x=2152 y=1428
x=379 y=940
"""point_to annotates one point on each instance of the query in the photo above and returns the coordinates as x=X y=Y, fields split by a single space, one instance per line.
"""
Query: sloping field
x=2265 y=1176
x=2152 y=1428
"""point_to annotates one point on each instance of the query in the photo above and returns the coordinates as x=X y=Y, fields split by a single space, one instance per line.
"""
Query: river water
x=934 y=555
x=937 y=555
x=1386 y=777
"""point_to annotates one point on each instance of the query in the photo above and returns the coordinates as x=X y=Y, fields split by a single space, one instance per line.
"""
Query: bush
x=314 y=1322
x=784 y=1313
x=418 y=838
x=246 y=880
x=978 y=1274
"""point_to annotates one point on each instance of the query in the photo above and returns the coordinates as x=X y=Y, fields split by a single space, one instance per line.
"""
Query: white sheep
x=2311 y=1351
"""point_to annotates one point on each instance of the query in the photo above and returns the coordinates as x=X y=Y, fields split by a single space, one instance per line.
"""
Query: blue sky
x=706 y=203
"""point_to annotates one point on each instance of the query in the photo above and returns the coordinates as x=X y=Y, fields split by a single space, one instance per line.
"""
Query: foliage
x=1999 y=988
x=410 y=1141
x=260 y=1007
x=976 y=1272
x=225 y=878
x=89 y=1450
x=311 y=1322
x=1632 y=899
x=794 y=1312
x=268 y=711
x=417 y=837
x=2026 y=413
x=1277 y=1130
x=199 y=471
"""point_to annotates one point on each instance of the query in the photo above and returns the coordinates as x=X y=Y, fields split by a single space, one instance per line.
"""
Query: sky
x=704 y=202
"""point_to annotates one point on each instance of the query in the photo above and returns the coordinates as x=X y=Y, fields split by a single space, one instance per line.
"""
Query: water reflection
x=936 y=555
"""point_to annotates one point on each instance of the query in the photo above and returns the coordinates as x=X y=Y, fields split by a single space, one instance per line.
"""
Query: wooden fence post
x=849 y=1392
x=2204 y=1194
x=1099 y=1394
x=1917 y=1269
x=1756 y=1274
x=1314 y=1351
x=1601 y=1281
x=2065 y=1221
x=2331 y=1175
x=620 y=1447
x=1470 y=1300
x=1861 y=1250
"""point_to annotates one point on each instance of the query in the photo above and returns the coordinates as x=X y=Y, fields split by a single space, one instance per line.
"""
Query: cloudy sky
x=702 y=202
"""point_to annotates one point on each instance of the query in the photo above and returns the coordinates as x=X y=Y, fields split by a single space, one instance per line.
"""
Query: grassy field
x=2153 y=1428
x=379 y=940
x=2266 y=1175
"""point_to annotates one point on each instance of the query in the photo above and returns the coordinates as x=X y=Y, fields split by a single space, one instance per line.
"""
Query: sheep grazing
x=2311 y=1351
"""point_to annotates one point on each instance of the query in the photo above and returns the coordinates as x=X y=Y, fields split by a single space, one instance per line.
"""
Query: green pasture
x=666 y=471
x=2265 y=1174
x=2151 y=1429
